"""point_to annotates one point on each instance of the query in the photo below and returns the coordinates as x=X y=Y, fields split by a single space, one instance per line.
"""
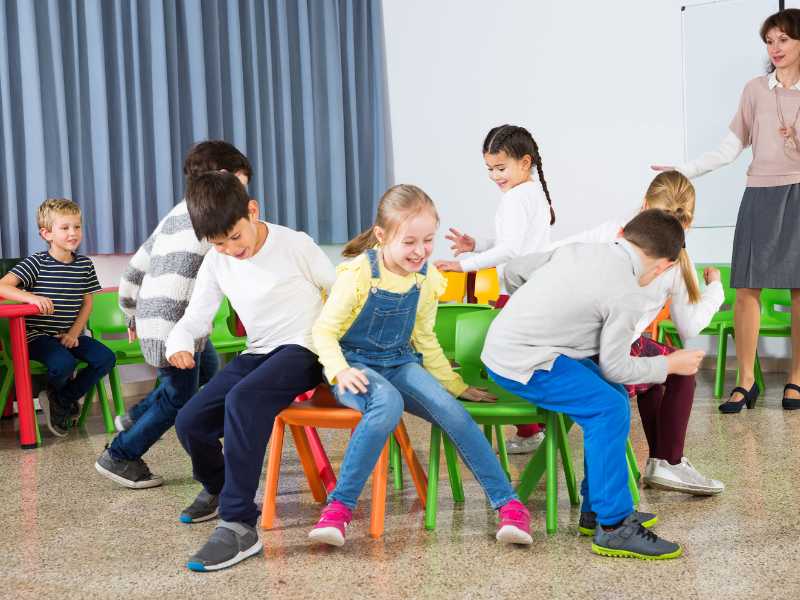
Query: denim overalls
x=379 y=343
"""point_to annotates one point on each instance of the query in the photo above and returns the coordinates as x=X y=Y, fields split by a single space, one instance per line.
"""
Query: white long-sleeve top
x=521 y=224
x=690 y=319
x=277 y=293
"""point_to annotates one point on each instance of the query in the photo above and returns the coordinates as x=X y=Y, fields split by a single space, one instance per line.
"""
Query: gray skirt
x=766 y=243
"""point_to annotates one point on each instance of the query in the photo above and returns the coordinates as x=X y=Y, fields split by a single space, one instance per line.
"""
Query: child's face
x=65 y=234
x=411 y=245
x=242 y=241
x=507 y=172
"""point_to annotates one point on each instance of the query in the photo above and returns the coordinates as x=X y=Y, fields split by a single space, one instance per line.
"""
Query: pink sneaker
x=331 y=525
x=515 y=524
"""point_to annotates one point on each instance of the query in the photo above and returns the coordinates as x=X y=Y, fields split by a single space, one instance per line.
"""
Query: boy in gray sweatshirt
x=568 y=306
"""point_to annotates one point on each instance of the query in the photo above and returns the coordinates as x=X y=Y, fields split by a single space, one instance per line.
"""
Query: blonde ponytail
x=361 y=243
x=687 y=271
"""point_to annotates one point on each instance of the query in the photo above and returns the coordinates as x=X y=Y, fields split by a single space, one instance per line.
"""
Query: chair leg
x=632 y=462
x=451 y=459
x=87 y=405
x=396 y=463
x=566 y=458
x=307 y=460
x=415 y=469
x=487 y=431
x=551 y=517
x=324 y=467
x=273 y=472
x=5 y=389
x=105 y=407
x=501 y=450
x=632 y=485
x=722 y=355
x=116 y=391
x=759 y=374
x=379 y=476
x=433 y=478
x=532 y=473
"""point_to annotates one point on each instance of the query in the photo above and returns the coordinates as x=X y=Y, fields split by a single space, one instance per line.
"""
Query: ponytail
x=538 y=161
x=360 y=244
x=689 y=277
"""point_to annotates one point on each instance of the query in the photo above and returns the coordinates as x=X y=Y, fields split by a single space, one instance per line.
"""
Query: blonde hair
x=398 y=204
x=50 y=208
x=672 y=192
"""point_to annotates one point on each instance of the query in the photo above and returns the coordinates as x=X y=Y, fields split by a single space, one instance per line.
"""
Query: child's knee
x=105 y=361
x=61 y=366
x=385 y=404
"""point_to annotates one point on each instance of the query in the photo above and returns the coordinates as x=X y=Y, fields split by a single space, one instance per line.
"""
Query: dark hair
x=213 y=155
x=517 y=142
x=216 y=201
x=788 y=21
x=657 y=233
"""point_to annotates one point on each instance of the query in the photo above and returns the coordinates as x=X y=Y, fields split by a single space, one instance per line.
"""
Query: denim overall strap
x=381 y=333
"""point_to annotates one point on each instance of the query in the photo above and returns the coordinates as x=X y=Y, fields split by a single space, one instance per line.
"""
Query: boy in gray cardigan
x=569 y=305
x=153 y=293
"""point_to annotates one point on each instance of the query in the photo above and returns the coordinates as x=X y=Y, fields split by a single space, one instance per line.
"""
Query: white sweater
x=277 y=293
x=690 y=319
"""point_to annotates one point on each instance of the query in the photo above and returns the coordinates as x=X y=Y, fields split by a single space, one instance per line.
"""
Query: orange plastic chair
x=487 y=286
x=322 y=411
x=456 y=287
x=652 y=329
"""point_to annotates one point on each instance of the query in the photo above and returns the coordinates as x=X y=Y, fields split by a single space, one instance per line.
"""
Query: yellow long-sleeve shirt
x=347 y=298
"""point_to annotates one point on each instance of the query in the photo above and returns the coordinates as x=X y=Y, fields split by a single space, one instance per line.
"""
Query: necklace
x=791 y=148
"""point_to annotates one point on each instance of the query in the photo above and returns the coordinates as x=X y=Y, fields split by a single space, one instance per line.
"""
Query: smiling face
x=65 y=234
x=507 y=172
x=784 y=52
x=408 y=248
x=244 y=239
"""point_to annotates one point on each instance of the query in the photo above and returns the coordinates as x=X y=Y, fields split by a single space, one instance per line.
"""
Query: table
x=16 y=313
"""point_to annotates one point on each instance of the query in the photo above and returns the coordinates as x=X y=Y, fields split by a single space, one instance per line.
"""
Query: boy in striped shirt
x=61 y=283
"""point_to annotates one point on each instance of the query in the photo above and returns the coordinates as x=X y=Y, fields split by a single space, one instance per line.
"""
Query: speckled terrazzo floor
x=65 y=532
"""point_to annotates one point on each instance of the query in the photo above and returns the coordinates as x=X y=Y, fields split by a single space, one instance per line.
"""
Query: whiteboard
x=721 y=52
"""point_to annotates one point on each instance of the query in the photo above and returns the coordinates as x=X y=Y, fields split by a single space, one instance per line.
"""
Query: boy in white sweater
x=275 y=278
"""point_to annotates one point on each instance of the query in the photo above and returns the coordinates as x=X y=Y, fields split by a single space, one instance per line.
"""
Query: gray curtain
x=100 y=99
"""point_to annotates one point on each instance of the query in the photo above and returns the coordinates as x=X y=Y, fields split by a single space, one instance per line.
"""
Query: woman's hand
x=449 y=265
x=352 y=380
x=474 y=394
x=461 y=241
x=711 y=274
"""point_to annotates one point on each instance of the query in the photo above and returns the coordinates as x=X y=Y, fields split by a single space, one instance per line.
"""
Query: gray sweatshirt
x=579 y=300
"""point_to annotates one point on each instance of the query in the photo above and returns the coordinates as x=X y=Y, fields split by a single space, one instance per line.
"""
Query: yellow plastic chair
x=487 y=286
x=456 y=287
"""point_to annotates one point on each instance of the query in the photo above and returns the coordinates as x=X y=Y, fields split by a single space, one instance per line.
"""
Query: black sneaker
x=132 y=474
x=204 y=507
x=631 y=540
x=229 y=544
x=56 y=417
x=588 y=521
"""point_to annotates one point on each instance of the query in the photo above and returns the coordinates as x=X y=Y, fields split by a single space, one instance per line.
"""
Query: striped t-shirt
x=64 y=283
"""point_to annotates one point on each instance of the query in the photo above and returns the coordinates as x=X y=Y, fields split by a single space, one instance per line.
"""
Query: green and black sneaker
x=631 y=540
x=588 y=521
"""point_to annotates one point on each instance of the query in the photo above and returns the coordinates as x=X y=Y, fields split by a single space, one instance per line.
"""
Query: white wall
x=599 y=84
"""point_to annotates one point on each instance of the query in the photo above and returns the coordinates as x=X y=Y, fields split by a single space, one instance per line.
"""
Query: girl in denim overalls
x=375 y=339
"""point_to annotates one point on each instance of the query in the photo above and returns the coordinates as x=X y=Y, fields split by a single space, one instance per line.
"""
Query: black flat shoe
x=790 y=403
x=749 y=398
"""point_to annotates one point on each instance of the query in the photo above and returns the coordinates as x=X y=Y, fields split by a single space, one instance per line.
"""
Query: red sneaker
x=332 y=524
x=515 y=524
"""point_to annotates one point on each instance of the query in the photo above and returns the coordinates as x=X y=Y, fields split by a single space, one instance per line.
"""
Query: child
x=375 y=339
x=665 y=409
x=61 y=283
x=274 y=278
x=153 y=292
x=580 y=301
x=522 y=225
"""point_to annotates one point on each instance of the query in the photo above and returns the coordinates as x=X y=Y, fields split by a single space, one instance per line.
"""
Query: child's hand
x=461 y=241
x=711 y=274
x=448 y=265
x=684 y=362
x=352 y=380
x=68 y=340
x=474 y=394
x=131 y=335
x=662 y=167
x=45 y=305
x=182 y=360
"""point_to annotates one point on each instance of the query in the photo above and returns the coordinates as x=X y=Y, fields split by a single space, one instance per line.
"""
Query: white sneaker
x=682 y=477
x=524 y=445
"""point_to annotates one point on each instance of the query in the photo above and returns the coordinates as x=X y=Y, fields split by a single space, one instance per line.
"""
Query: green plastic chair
x=37 y=368
x=445 y=326
x=222 y=336
x=509 y=410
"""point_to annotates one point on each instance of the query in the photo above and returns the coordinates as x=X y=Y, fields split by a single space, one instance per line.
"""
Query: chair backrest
x=222 y=322
x=471 y=332
x=106 y=316
x=445 y=327
x=663 y=315
x=487 y=285
x=772 y=299
x=456 y=287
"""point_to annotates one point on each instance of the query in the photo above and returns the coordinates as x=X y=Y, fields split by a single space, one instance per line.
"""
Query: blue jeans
x=411 y=387
x=61 y=362
x=154 y=415
x=602 y=409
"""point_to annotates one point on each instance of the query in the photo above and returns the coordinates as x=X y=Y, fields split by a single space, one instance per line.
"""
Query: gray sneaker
x=587 y=525
x=123 y=423
x=56 y=417
x=204 y=508
x=132 y=474
x=631 y=540
x=229 y=544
